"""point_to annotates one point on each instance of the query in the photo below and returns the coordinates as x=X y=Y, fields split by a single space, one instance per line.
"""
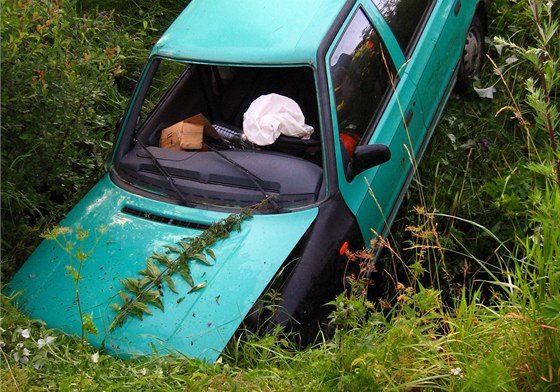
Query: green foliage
x=147 y=290
x=60 y=101
x=140 y=17
x=76 y=258
x=480 y=164
x=142 y=21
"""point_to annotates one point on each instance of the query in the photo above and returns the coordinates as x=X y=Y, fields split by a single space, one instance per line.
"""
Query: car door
x=372 y=102
x=431 y=35
x=417 y=26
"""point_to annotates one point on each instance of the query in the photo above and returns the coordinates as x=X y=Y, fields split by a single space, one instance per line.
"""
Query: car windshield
x=185 y=139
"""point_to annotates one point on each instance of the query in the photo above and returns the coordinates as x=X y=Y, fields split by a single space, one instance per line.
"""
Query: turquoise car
x=305 y=114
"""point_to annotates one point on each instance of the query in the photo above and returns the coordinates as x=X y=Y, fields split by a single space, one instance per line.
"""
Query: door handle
x=408 y=117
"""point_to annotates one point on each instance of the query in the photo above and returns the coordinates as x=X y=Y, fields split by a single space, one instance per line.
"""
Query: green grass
x=468 y=297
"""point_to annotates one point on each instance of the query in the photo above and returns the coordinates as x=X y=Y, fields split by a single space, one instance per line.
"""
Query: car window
x=167 y=73
x=406 y=18
x=189 y=145
x=361 y=71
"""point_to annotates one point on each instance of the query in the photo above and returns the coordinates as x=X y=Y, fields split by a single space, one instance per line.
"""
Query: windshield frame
x=129 y=128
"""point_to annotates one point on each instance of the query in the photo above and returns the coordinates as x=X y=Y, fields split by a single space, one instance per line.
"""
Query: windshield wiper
x=254 y=179
x=166 y=174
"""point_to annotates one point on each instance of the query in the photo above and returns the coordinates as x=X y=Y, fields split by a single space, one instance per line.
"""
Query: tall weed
x=489 y=234
x=60 y=101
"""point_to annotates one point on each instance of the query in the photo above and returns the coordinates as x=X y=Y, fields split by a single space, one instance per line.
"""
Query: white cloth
x=271 y=115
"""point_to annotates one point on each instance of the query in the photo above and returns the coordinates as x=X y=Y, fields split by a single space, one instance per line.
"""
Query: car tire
x=472 y=56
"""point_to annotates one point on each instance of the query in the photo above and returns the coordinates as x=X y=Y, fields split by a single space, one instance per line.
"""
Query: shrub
x=60 y=101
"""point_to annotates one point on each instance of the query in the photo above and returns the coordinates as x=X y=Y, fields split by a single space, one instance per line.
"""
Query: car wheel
x=472 y=56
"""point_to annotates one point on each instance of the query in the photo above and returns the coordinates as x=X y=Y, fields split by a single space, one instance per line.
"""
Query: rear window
x=406 y=19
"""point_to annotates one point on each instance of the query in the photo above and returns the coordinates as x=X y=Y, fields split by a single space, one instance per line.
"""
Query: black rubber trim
x=164 y=219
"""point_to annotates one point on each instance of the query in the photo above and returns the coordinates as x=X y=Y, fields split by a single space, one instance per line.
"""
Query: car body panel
x=293 y=28
x=375 y=192
x=439 y=43
x=198 y=324
x=372 y=194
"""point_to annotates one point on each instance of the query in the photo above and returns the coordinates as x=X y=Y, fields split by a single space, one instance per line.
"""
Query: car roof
x=250 y=31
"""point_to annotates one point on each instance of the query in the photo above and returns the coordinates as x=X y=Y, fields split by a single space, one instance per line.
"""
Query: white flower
x=511 y=59
x=499 y=48
x=23 y=356
x=457 y=372
x=45 y=342
x=25 y=333
x=95 y=357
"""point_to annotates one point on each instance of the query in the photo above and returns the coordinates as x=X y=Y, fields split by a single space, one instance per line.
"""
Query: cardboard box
x=187 y=134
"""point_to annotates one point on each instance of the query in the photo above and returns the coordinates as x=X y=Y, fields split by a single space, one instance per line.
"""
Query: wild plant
x=146 y=290
x=61 y=73
x=77 y=256
x=541 y=56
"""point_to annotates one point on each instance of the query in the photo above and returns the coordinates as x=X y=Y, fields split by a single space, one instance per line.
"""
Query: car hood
x=196 y=324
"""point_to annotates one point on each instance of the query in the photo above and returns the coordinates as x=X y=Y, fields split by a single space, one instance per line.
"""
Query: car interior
x=229 y=170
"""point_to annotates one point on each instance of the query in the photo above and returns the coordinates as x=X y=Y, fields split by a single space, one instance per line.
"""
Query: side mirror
x=366 y=157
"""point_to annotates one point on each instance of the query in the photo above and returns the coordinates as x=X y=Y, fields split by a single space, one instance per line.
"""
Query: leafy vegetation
x=60 y=101
x=68 y=70
x=467 y=293
x=139 y=292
